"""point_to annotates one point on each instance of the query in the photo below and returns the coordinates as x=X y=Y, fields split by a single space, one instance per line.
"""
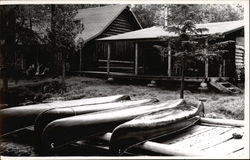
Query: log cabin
x=140 y=59
x=100 y=22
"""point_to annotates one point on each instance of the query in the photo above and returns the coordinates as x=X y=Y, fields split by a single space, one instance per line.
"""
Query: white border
x=245 y=3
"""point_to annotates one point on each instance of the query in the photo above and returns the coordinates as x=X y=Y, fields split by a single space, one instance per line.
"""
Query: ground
x=216 y=106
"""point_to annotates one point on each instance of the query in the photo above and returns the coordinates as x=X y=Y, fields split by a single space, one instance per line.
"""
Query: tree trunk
x=30 y=18
x=63 y=67
x=182 y=78
x=52 y=23
x=4 y=80
x=54 y=50
x=7 y=48
x=2 y=64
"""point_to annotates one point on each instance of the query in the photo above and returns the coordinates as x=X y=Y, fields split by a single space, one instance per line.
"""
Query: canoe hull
x=82 y=126
x=153 y=125
x=57 y=113
x=14 y=118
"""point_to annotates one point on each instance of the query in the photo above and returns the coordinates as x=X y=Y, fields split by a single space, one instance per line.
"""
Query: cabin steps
x=226 y=87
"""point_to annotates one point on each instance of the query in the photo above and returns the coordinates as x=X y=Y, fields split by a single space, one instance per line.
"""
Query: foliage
x=152 y=14
x=184 y=45
x=149 y=14
x=184 y=26
x=7 y=41
x=64 y=28
x=178 y=12
x=8 y=34
x=222 y=12
x=190 y=43
x=29 y=20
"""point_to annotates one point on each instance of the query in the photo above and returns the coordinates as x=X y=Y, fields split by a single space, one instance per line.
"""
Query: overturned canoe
x=82 y=126
x=50 y=115
x=14 y=118
x=154 y=125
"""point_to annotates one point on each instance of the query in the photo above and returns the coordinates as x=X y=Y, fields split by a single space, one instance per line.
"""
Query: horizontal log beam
x=111 y=67
x=119 y=28
x=115 y=61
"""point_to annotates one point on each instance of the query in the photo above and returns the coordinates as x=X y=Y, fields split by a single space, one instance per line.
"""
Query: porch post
x=220 y=71
x=169 y=59
x=22 y=61
x=108 y=60
x=80 y=63
x=136 y=58
x=224 y=68
x=206 y=62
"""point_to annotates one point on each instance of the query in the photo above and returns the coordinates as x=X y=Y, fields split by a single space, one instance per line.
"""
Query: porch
x=143 y=61
x=146 y=77
x=138 y=54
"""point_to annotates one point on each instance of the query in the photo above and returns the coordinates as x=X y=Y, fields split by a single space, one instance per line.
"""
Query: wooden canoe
x=50 y=115
x=83 y=126
x=154 y=125
x=14 y=118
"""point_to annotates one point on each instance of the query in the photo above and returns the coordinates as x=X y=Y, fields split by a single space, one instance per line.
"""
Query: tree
x=185 y=45
x=63 y=32
x=221 y=12
x=149 y=14
x=190 y=43
x=8 y=34
x=152 y=14
x=178 y=13
x=17 y=25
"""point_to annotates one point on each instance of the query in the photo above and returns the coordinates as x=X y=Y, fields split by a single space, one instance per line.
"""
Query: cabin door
x=151 y=60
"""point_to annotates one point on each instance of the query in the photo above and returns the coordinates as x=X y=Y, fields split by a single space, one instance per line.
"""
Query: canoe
x=83 y=126
x=50 y=115
x=154 y=125
x=14 y=118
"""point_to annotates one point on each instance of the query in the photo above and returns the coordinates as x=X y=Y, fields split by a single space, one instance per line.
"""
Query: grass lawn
x=217 y=105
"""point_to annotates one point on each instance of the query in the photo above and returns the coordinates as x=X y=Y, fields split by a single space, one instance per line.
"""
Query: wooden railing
x=116 y=66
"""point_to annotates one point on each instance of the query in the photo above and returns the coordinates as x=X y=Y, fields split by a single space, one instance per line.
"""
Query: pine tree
x=184 y=45
x=62 y=34
x=7 y=42
x=191 y=43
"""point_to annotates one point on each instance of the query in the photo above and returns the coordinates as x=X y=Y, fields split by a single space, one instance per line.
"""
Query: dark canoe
x=154 y=125
x=50 y=115
x=67 y=130
x=14 y=118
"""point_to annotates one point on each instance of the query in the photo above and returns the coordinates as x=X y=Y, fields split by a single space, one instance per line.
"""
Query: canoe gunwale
x=16 y=118
x=106 y=118
x=167 y=150
x=43 y=120
x=152 y=125
x=195 y=120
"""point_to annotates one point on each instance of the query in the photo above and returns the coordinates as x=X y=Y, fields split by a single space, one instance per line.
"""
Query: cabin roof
x=96 y=20
x=157 y=31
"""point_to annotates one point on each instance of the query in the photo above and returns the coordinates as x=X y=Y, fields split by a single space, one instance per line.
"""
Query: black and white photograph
x=123 y=79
